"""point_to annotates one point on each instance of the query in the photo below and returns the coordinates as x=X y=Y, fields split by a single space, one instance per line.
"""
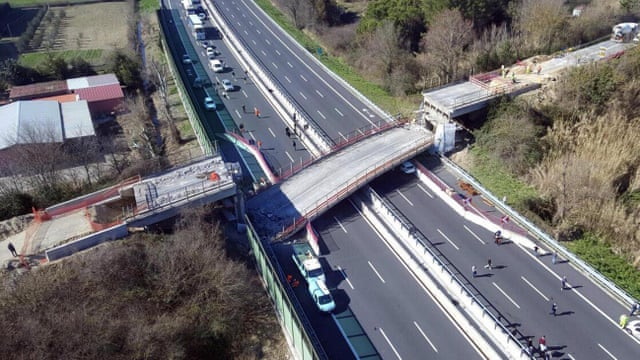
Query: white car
x=186 y=59
x=209 y=104
x=321 y=296
x=408 y=168
x=227 y=85
x=217 y=66
x=210 y=51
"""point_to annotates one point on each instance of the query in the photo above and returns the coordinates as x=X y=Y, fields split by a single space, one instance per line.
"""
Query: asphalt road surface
x=397 y=313
x=522 y=285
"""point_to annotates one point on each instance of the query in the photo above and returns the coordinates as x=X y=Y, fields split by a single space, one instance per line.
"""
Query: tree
x=540 y=24
x=126 y=67
x=159 y=75
x=483 y=12
x=446 y=45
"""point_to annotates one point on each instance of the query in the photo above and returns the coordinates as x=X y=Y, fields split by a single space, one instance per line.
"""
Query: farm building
x=102 y=92
x=32 y=122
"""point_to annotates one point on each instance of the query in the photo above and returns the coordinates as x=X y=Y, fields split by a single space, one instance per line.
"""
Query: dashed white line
x=278 y=52
x=505 y=295
x=251 y=134
x=267 y=41
x=245 y=94
x=263 y=53
x=389 y=342
x=251 y=23
x=425 y=191
x=274 y=65
x=271 y=131
x=474 y=235
x=254 y=42
x=286 y=78
x=319 y=94
x=607 y=351
x=245 y=31
x=345 y=277
x=534 y=288
x=376 y=271
x=425 y=336
x=238 y=114
x=289 y=156
x=288 y=63
x=258 y=31
x=571 y=357
x=449 y=240
x=301 y=94
x=404 y=197
x=321 y=114
x=338 y=111
x=340 y=224
x=303 y=78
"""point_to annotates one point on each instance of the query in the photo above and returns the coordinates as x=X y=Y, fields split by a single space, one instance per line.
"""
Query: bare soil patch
x=102 y=25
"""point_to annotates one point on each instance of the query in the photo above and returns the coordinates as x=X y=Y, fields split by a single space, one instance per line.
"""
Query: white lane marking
x=267 y=41
x=344 y=137
x=289 y=156
x=286 y=78
x=288 y=63
x=254 y=42
x=404 y=197
x=245 y=31
x=245 y=94
x=505 y=295
x=258 y=31
x=345 y=277
x=571 y=357
x=418 y=281
x=425 y=191
x=376 y=271
x=607 y=351
x=302 y=77
x=263 y=53
x=319 y=93
x=251 y=134
x=474 y=235
x=238 y=114
x=339 y=223
x=301 y=94
x=390 y=344
x=577 y=292
x=238 y=22
x=278 y=52
x=534 y=288
x=449 y=240
x=274 y=65
x=271 y=131
x=250 y=22
x=425 y=336
x=321 y=114
x=304 y=63
x=338 y=111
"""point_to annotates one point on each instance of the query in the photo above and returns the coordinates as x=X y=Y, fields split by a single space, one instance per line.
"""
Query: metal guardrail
x=604 y=282
x=428 y=247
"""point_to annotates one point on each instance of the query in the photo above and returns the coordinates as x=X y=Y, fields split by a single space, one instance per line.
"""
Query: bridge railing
x=290 y=313
x=589 y=271
x=350 y=186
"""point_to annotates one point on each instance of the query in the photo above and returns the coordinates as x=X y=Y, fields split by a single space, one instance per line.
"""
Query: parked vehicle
x=209 y=104
x=307 y=262
x=408 y=168
x=321 y=296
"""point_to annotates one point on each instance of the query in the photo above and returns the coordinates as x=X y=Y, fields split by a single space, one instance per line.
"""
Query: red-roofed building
x=62 y=98
x=102 y=99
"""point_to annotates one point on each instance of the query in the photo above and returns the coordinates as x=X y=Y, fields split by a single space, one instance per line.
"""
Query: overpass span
x=285 y=207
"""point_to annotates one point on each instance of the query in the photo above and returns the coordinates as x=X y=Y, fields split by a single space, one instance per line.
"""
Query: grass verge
x=149 y=5
x=34 y=59
x=613 y=266
x=373 y=92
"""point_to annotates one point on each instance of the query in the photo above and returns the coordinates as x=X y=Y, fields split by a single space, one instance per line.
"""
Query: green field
x=149 y=5
x=34 y=59
x=23 y=3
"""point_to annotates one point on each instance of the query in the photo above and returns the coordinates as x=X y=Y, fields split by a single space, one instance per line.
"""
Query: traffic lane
x=278 y=150
x=518 y=287
x=271 y=47
x=395 y=311
x=324 y=326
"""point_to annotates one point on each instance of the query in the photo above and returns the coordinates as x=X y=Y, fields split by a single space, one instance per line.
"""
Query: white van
x=321 y=295
x=216 y=65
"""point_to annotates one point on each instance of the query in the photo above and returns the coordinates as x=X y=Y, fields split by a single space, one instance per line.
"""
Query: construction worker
x=289 y=278
x=554 y=308
x=563 y=283
x=295 y=283
x=474 y=271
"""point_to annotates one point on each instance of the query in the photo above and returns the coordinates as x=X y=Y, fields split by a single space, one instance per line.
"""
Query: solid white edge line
x=534 y=288
x=390 y=344
x=425 y=336
x=449 y=240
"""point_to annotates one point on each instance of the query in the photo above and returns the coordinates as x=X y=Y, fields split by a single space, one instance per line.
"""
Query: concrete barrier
x=70 y=248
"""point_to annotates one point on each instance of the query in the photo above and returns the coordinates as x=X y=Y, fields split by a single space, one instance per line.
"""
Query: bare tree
x=446 y=44
x=160 y=75
x=540 y=23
